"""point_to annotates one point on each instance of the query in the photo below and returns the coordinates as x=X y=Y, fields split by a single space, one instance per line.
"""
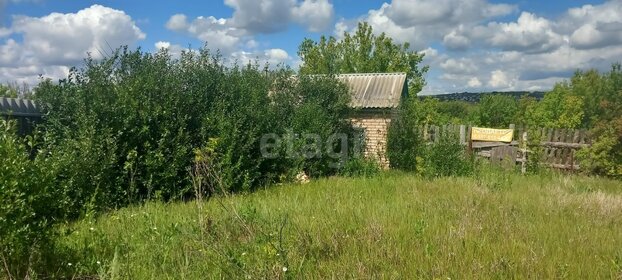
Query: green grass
x=393 y=226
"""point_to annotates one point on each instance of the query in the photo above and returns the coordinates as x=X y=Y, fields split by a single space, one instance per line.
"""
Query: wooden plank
x=577 y=136
x=564 y=145
x=481 y=145
x=462 y=134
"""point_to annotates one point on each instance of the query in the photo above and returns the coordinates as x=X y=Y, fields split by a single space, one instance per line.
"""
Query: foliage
x=360 y=167
x=535 y=151
x=455 y=112
x=597 y=101
x=497 y=111
x=446 y=157
x=15 y=90
x=404 y=141
x=30 y=205
x=125 y=128
x=362 y=51
x=6 y=91
x=558 y=109
x=503 y=226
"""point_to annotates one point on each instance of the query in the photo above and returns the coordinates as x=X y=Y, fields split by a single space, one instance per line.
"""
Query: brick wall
x=375 y=125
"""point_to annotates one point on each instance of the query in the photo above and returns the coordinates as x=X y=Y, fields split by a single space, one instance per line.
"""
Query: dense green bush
x=603 y=114
x=124 y=129
x=404 y=141
x=30 y=204
x=497 y=111
x=446 y=157
x=360 y=167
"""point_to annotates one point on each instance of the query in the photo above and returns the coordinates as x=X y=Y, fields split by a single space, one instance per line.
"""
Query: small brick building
x=375 y=98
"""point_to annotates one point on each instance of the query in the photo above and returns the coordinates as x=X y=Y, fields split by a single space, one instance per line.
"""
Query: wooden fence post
x=462 y=134
x=523 y=168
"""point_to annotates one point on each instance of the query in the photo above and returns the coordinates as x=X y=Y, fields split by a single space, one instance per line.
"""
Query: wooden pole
x=524 y=151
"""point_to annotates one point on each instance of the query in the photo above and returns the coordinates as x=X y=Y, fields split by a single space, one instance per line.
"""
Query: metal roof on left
x=18 y=107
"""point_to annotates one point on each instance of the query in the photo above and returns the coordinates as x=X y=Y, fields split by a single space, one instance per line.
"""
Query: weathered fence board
x=558 y=146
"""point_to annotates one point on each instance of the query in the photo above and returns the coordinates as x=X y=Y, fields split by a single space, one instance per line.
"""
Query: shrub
x=125 y=128
x=29 y=205
x=360 y=167
x=447 y=157
x=497 y=110
x=535 y=151
x=404 y=143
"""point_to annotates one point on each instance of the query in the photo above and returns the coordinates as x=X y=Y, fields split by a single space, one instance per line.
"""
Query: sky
x=470 y=45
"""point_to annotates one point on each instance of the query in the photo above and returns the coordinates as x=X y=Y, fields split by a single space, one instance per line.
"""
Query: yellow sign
x=492 y=135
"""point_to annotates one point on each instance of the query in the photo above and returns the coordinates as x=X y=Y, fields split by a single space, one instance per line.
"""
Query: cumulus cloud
x=55 y=41
x=272 y=57
x=217 y=33
x=421 y=21
x=529 y=34
x=251 y=17
x=531 y=52
x=408 y=13
x=499 y=80
x=474 y=83
x=316 y=15
x=456 y=41
x=459 y=66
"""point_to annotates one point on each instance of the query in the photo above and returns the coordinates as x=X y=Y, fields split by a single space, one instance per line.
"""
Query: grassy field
x=394 y=226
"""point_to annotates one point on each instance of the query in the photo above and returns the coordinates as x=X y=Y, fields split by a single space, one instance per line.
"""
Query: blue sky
x=470 y=45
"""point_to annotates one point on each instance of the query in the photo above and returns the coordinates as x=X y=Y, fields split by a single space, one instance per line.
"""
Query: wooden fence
x=558 y=146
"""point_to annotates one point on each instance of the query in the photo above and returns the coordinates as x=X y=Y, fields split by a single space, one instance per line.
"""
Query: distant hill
x=476 y=96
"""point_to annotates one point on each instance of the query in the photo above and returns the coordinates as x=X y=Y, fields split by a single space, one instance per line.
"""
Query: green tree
x=6 y=91
x=602 y=94
x=559 y=108
x=404 y=144
x=362 y=52
x=497 y=110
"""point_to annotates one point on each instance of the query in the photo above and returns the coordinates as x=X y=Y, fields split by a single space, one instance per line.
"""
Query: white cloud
x=499 y=80
x=420 y=22
x=273 y=57
x=408 y=13
x=316 y=15
x=597 y=35
x=55 y=41
x=381 y=22
x=531 y=52
x=458 y=66
x=474 y=83
x=177 y=22
x=455 y=41
x=217 y=33
x=251 y=17
x=529 y=34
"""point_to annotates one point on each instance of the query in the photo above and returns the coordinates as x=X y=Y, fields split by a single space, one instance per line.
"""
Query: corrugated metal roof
x=18 y=107
x=375 y=90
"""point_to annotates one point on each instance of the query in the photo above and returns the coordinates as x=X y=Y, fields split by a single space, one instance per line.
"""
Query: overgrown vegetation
x=589 y=100
x=30 y=205
x=498 y=225
x=124 y=129
x=139 y=126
